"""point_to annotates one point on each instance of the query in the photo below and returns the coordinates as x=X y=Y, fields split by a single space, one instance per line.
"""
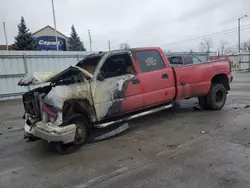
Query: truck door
x=118 y=91
x=156 y=77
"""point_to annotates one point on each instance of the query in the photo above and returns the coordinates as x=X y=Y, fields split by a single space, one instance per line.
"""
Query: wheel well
x=222 y=79
x=76 y=109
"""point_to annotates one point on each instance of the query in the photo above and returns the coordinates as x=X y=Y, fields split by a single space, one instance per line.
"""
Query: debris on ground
x=112 y=133
x=16 y=129
x=235 y=107
x=14 y=172
x=197 y=107
x=172 y=146
x=1 y=134
x=247 y=106
x=9 y=128
x=203 y=132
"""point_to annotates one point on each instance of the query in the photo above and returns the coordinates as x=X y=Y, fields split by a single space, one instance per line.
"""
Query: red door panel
x=155 y=88
x=133 y=97
x=193 y=80
x=156 y=77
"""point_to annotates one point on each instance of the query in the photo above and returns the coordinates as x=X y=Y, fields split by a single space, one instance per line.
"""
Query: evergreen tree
x=75 y=43
x=24 y=39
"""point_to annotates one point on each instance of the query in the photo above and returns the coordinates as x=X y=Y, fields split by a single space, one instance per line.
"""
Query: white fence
x=15 y=64
x=241 y=63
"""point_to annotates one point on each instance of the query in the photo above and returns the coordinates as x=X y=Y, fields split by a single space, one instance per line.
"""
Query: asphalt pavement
x=182 y=147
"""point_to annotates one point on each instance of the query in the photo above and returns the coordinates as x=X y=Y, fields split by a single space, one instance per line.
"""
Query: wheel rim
x=219 y=96
x=80 y=135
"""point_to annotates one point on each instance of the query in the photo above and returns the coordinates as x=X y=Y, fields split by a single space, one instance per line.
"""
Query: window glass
x=176 y=60
x=196 y=60
x=117 y=65
x=90 y=63
x=149 y=60
x=188 y=60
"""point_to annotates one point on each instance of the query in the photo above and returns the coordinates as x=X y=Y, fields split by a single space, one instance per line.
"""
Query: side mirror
x=100 y=77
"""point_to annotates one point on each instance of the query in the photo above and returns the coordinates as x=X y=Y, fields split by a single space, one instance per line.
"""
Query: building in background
x=3 y=47
x=46 y=40
x=203 y=56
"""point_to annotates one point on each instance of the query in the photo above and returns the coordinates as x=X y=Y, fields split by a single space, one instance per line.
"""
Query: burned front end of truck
x=44 y=106
x=49 y=113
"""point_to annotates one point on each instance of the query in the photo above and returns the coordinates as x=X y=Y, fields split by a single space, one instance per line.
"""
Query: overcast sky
x=137 y=22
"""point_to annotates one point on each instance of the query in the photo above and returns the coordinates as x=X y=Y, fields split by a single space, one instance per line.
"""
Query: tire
x=217 y=97
x=203 y=102
x=81 y=137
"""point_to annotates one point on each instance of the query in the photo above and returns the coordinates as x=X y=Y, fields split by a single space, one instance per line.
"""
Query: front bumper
x=52 y=133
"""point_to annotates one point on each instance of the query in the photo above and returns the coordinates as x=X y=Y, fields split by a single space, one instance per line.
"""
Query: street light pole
x=239 y=31
x=90 y=41
x=54 y=17
x=109 y=44
x=5 y=34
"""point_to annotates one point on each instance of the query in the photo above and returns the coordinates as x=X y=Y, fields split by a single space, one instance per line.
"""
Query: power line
x=220 y=34
x=209 y=35
x=205 y=7
x=216 y=3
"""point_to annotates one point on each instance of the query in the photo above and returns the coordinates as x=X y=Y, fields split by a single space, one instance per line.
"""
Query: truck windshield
x=89 y=64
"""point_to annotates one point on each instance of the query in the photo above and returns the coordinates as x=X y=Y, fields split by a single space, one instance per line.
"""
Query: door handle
x=135 y=81
x=164 y=76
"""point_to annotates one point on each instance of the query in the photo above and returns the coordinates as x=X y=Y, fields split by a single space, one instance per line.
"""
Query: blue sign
x=49 y=43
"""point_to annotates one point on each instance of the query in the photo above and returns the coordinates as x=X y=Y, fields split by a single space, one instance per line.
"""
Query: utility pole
x=109 y=44
x=54 y=17
x=90 y=41
x=5 y=34
x=239 y=31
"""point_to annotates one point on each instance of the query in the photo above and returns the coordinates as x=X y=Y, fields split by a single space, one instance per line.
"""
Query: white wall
x=15 y=64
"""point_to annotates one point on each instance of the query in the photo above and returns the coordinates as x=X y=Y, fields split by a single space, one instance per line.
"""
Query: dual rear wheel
x=215 y=99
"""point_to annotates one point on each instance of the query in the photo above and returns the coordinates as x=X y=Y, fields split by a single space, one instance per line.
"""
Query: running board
x=104 y=125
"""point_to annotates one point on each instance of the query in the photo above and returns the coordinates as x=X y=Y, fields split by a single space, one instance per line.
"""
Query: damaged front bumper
x=52 y=133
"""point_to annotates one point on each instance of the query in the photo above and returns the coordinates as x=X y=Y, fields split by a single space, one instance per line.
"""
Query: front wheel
x=81 y=136
x=216 y=97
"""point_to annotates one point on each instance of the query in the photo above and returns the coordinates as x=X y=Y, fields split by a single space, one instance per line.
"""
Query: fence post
x=77 y=57
x=25 y=66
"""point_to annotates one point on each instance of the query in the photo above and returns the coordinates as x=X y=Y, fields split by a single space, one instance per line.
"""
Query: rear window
x=188 y=60
x=149 y=60
x=176 y=60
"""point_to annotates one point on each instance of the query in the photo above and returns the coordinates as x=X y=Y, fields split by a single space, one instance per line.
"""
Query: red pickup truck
x=114 y=87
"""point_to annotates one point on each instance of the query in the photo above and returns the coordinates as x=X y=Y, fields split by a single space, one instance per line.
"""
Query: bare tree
x=230 y=50
x=245 y=46
x=222 y=49
x=124 y=46
x=206 y=45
